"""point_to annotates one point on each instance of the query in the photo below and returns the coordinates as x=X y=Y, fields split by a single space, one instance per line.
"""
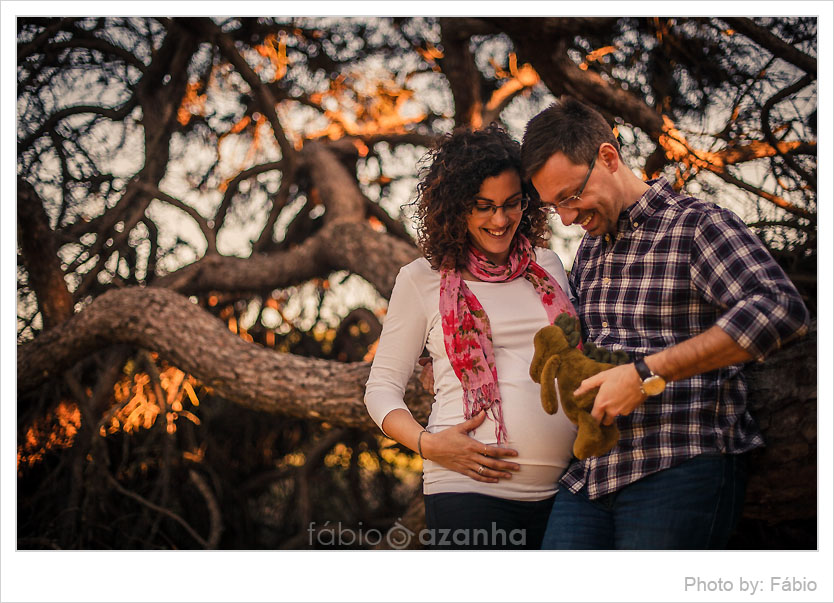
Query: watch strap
x=643 y=369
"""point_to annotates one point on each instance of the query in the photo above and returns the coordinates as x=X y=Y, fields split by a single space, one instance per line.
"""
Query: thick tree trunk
x=40 y=257
x=464 y=78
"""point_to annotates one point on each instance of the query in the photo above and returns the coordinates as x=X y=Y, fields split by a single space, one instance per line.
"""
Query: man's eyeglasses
x=511 y=208
x=572 y=201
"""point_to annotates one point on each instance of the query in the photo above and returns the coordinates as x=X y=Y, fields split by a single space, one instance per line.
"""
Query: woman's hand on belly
x=454 y=449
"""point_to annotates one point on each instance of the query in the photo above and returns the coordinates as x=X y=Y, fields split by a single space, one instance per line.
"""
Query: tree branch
x=255 y=273
x=394 y=227
x=154 y=507
x=90 y=42
x=266 y=100
x=198 y=343
x=522 y=79
x=234 y=184
x=215 y=517
x=27 y=48
x=279 y=201
x=775 y=199
x=801 y=83
x=202 y=223
x=58 y=116
x=678 y=148
x=776 y=46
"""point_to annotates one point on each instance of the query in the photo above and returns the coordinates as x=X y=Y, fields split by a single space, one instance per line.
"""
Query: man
x=691 y=294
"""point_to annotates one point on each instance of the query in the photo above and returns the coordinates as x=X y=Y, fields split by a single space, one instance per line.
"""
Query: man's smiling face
x=594 y=206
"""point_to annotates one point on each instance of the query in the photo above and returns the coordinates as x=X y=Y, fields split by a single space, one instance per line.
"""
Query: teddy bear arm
x=550 y=400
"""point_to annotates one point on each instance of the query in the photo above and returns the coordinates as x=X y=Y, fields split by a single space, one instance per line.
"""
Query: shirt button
x=604 y=325
x=606 y=281
x=635 y=224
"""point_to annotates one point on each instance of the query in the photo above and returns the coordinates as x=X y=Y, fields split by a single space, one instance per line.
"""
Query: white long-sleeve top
x=544 y=442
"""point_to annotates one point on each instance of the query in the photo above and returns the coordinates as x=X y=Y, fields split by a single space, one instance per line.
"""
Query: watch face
x=654 y=385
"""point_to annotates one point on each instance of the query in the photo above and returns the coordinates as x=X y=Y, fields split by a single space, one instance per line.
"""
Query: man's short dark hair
x=569 y=127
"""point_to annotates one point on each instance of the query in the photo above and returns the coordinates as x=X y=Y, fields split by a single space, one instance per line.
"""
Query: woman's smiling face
x=493 y=233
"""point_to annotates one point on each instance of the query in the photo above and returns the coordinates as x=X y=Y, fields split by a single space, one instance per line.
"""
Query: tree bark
x=40 y=257
x=458 y=66
x=202 y=345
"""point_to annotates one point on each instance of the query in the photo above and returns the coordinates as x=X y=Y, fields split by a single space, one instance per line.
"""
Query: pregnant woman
x=475 y=300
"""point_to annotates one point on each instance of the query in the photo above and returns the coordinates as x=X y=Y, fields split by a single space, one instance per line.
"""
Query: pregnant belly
x=539 y=438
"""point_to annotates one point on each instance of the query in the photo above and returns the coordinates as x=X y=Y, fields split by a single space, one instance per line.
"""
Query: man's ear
x=609 y=157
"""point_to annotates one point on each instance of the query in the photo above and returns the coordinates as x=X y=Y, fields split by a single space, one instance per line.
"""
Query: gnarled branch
x=772 y=43
x=198 y=343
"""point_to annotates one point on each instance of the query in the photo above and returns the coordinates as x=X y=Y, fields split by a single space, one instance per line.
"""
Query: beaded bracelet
x=419 y=443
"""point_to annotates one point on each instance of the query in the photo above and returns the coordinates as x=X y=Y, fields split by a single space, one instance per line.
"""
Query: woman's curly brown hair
x=457 y=166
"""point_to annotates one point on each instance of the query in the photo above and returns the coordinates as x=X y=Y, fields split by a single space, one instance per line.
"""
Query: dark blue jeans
x=693 y=505
x=458 y=520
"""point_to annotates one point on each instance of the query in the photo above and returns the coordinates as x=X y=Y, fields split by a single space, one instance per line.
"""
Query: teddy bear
x=557 y=354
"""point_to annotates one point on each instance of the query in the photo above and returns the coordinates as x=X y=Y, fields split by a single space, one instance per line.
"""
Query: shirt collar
x=658 y=193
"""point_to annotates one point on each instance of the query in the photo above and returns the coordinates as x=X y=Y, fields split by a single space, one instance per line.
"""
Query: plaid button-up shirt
x=677 y=266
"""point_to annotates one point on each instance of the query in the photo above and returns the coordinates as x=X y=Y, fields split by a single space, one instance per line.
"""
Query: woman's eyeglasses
x=511 y=208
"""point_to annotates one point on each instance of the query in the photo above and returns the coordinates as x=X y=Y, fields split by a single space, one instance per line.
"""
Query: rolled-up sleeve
x=400 y=344
x=733 y=270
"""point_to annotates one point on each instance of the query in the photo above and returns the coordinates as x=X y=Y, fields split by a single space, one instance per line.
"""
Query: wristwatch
x=652 y=384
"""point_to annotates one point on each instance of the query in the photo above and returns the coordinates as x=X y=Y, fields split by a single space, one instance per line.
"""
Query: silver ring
x=480 y=469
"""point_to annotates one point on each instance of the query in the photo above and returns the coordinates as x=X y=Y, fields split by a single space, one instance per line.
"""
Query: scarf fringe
x=486 y=398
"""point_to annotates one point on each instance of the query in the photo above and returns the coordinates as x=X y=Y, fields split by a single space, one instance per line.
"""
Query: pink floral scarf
x=466 y=331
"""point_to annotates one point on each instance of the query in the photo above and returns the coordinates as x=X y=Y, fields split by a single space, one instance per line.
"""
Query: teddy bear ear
x=564 y=322
x=569 y=324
